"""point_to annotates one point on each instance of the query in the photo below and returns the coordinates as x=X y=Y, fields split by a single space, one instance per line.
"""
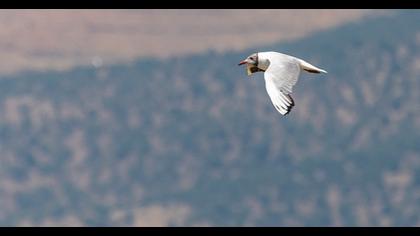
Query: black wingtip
x=291 y=99
x=289 y=108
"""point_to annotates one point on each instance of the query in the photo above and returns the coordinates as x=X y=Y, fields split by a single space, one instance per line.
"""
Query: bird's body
x=281 y=73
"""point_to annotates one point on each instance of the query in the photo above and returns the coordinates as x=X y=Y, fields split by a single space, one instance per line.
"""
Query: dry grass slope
x=61 y=39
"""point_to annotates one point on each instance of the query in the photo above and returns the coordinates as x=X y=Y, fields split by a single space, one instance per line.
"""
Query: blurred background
x=143 y=118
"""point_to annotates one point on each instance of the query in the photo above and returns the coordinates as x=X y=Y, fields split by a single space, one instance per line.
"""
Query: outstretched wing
x=280 y=77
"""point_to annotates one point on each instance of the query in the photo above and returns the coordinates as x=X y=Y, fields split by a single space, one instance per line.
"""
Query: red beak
x=242 y=62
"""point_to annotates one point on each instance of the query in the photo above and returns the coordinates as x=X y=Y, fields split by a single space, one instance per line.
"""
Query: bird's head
x=251 y=59
x=251 y=63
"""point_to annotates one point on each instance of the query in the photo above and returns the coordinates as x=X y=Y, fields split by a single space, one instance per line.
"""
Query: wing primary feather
x=291 y=99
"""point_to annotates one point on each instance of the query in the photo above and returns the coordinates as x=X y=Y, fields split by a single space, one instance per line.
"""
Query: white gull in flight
x=281 y=72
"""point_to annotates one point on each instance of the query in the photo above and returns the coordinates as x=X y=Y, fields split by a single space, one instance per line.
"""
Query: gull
x=281 y=72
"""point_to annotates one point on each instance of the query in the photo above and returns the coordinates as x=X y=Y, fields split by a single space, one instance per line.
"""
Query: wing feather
x=280 y=77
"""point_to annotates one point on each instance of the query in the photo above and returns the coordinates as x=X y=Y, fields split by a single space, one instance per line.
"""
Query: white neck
x=263 y=61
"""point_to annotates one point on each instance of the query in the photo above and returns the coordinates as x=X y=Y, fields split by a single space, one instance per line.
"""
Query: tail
x=310 y=68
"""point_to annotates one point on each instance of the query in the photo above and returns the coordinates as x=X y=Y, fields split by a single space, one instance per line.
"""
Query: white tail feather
x=310 y=68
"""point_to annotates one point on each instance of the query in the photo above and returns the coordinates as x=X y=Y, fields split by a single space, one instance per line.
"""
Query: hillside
x=194 y=141
x=60 y=39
